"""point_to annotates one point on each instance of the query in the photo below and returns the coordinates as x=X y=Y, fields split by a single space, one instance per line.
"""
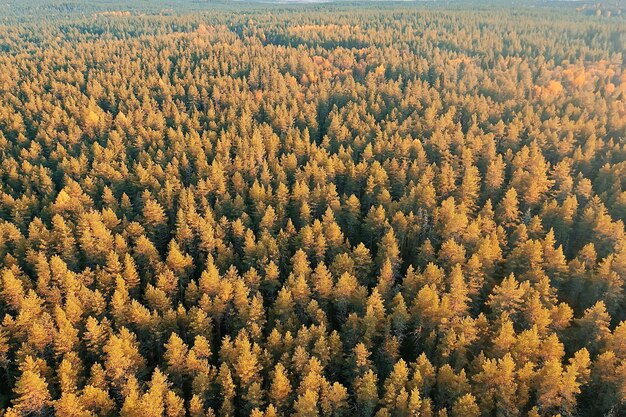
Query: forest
x=323 y=210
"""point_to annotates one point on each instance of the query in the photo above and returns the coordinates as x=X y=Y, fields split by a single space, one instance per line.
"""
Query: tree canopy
x=314 y=210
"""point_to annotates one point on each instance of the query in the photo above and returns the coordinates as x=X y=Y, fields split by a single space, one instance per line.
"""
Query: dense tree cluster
x=353 y=211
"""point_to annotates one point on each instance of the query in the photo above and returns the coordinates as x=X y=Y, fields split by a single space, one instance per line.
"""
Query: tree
x=497 y=386
x=227 y=390
x=31 y=393
x=470 y=187
x=122 y=357
x=507 y=211
x=306 y=404
x=280 y=388
x=176 y=358
x=70 y=405
x=366 y=393
x=593 y=328
x=465 y=406
x=388 y=250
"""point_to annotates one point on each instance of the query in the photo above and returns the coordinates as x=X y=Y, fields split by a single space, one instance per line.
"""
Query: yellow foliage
x=204 y=29
x=610 y=87
x=579 y=80
x=554 y=87
x=91 y=118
